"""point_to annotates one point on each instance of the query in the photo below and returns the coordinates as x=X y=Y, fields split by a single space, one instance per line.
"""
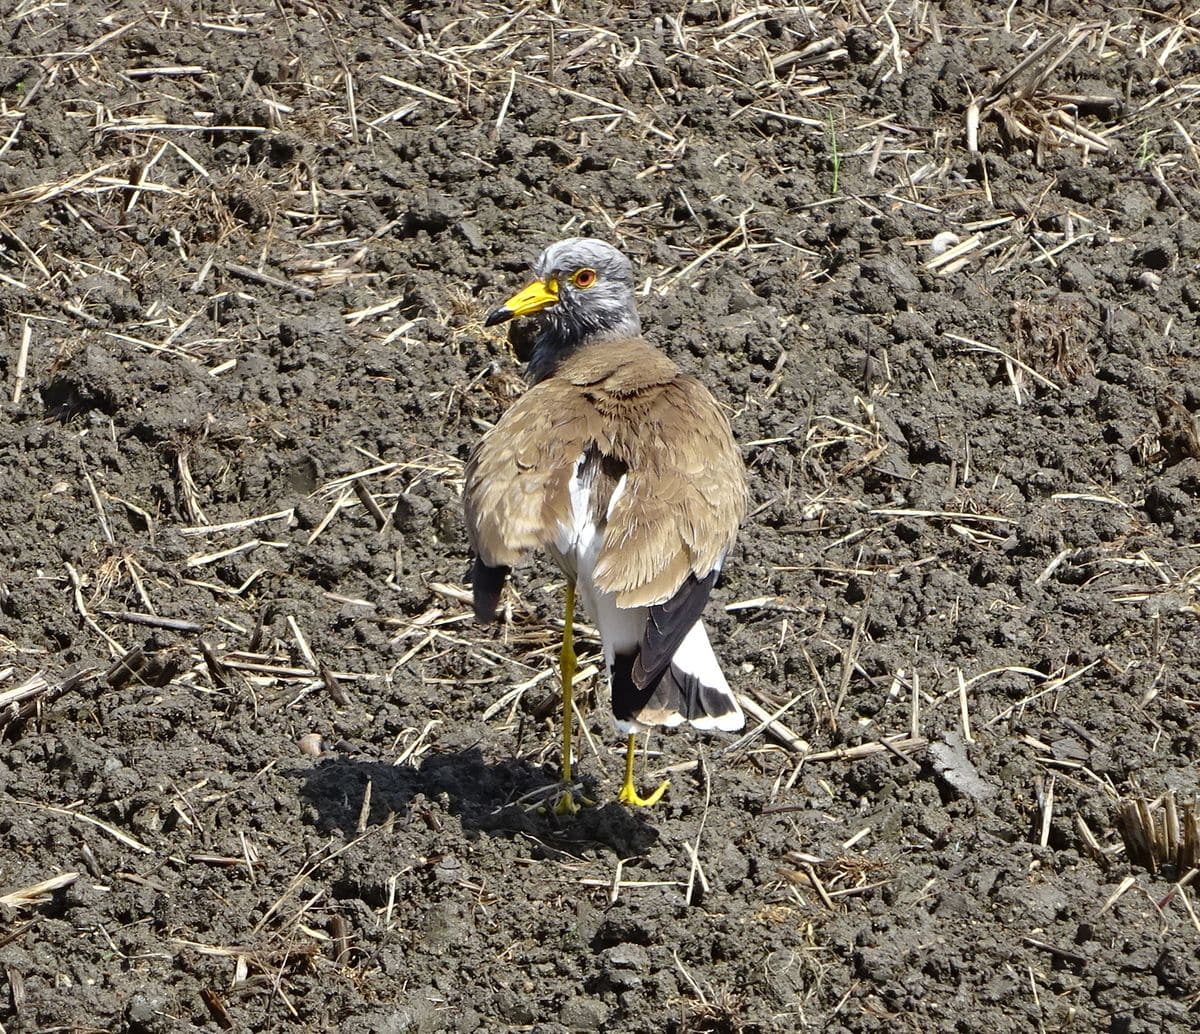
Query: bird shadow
x=499 y=799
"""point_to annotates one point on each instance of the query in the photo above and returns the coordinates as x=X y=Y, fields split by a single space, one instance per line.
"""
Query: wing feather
x=667 y=624
x=515 y=492
x=684 y=498
x=684 y=488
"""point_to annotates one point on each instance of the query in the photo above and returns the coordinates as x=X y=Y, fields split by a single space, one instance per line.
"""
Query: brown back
x=685 y=489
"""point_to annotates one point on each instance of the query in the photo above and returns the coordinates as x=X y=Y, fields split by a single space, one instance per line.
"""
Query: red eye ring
x=583 y=277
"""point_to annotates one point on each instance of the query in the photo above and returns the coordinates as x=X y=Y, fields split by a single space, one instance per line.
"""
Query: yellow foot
x=629 y=795
x=566 y=804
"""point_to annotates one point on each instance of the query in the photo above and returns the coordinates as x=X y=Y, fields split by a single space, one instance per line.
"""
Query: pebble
x=583 y=1014
x=943 y=242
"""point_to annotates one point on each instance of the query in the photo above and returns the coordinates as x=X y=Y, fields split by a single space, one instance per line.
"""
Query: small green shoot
x=1144 y=156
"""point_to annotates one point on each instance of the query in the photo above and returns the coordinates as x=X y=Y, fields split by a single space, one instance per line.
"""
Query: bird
x=625 y=470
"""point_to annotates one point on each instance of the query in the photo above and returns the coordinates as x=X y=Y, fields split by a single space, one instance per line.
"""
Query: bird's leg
x=629 y=794
x=566 y=666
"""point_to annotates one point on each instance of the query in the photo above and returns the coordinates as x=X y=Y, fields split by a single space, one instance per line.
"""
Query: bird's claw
x=629 y=795
x=565 y=804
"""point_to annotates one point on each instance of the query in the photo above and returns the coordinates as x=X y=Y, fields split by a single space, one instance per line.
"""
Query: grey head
x=583 y=293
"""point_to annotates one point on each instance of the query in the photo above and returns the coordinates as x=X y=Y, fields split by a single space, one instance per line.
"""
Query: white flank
x=576 y=549
x=618 y=491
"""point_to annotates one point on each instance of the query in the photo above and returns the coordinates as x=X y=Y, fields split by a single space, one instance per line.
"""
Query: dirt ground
x=259 y=770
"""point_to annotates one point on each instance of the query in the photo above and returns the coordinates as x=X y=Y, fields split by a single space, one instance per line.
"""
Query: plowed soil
x=259 y=769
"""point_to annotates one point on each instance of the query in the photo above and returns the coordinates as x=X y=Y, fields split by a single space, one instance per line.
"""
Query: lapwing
x=624 y=469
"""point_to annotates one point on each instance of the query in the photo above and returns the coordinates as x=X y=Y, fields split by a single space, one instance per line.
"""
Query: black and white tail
x=690 y=688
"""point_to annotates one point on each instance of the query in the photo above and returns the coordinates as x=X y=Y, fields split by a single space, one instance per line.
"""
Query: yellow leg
x=566 y=666
x=628 y=794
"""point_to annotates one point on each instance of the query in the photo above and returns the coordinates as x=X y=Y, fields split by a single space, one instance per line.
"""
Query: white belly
x=576 y=549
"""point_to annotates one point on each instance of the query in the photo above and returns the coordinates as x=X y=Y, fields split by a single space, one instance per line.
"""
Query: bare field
x=260 y=771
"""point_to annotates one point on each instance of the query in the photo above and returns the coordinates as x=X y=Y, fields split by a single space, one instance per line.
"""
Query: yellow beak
x=539 y=295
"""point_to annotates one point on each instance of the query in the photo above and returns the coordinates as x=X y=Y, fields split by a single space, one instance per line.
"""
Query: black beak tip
x=497 y=316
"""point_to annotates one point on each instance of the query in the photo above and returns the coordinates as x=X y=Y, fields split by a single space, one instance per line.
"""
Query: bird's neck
x=557 y=340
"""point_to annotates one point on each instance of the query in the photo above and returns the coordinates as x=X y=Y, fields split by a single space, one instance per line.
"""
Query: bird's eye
x=583 y=277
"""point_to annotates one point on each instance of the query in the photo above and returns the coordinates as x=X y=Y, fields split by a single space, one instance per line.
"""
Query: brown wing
x=684 y=488
x=684 y=497
x=516 y=478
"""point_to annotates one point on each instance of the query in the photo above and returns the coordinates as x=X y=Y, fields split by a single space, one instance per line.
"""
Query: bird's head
x=583 y=292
